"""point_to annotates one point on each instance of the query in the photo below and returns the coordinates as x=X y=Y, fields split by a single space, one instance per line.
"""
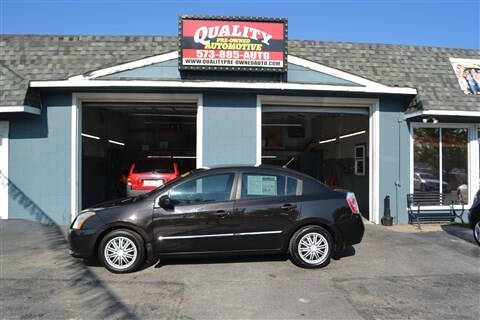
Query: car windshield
x=183 y=176
x=161 y=166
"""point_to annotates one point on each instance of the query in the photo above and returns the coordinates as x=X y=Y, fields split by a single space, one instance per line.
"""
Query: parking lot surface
x=406 y=274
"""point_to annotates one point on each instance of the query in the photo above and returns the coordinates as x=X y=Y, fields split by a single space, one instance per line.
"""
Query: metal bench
x=422 y=199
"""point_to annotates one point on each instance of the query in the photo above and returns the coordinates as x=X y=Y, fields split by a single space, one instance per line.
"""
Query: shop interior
x=117 y=135
x=331 y=147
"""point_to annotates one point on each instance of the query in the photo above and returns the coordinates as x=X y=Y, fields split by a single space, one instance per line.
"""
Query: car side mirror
x=165 y=202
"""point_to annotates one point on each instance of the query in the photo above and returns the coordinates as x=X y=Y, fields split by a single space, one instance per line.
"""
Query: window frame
x=238 y=196
x=472 y=161
x=233 y=192
x=356 y=159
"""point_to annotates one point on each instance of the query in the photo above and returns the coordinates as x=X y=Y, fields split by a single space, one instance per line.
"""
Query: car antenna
x=288 y=162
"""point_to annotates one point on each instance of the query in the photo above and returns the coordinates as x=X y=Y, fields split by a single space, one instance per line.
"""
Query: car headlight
x=82 y=218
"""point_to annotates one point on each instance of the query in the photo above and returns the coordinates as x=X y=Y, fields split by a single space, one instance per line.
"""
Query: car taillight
x=129 y=181
x=352 y=203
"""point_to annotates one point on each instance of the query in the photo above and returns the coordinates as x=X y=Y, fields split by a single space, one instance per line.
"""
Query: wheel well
x=113 y=228
x=315 y=223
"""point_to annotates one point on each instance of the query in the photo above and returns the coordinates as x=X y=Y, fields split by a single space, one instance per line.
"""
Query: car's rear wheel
x=311 y=247
x=476 y=232
x=122 y=251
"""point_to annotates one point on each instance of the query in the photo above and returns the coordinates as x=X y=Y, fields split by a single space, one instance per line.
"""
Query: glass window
x=426 y=160
x=359 y=160
x=440 y=162
x=160 y=166
x=255 y=185
x=214 y=188
x=292 y=186
x=455 y=163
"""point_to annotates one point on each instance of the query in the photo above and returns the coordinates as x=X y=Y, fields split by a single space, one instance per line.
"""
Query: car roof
x=256 y=168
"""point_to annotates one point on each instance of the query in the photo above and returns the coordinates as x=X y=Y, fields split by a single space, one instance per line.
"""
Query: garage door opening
x=331 y=147
x=130 y=148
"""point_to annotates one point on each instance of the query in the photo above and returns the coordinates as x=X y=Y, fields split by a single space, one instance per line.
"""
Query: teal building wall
x=39 y=162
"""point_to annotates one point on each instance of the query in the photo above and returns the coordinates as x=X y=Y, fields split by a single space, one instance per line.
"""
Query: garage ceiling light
x=282 y=125
x=90 y=136
x=168 y=123
x=327 y=141
x=116 y=142
x=352 y=134
x=171 y=157
x=165 y=115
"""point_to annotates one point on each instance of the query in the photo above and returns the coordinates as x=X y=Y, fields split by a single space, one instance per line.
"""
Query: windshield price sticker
x=228 y=44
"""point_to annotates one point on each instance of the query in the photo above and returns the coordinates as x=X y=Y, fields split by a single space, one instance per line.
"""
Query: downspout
x=397 y=183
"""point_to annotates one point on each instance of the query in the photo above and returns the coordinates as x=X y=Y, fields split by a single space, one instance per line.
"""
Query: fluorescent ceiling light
x=269 y=157
x=282 y=125
x=183 y=123
x=172 y=157
x=327 y=141
x=116 y=142
x=165 y=115
x=90 y=136
x=352 y=134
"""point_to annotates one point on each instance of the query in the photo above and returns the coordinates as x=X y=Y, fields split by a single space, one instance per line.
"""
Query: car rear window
x=153 y=166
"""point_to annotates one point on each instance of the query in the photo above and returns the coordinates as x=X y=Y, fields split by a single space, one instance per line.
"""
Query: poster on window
x=262 y=185
x=232 y=44
x=468 y=74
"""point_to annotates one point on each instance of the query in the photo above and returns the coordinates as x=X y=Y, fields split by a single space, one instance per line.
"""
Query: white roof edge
x=24 y=109
x=459 y=113
x=127 y=66
x=174 y=55
x=79 y=83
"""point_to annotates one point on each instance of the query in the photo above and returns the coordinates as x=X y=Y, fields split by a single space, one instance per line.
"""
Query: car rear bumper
x=82 y=242
x=352 y=229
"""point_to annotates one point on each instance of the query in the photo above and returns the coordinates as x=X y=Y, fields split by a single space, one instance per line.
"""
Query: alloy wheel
x=120 y=252
x=313 y=248
x=476 y=231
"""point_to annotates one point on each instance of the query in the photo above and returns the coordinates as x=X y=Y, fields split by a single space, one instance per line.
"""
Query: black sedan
x=474 y=217
x=242 y=210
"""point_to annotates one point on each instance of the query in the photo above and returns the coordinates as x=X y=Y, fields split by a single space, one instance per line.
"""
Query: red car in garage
x=150 y=173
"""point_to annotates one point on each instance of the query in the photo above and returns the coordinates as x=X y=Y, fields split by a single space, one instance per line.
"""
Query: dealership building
x=380 y=120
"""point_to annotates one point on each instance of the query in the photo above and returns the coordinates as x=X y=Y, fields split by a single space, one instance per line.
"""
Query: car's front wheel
x=121 y=251
x=476 y=232
x=311 y=247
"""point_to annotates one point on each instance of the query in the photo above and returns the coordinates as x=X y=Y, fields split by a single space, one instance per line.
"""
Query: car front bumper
x=82 y=242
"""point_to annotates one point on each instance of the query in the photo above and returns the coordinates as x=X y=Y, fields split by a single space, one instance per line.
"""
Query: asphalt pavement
x=395 y=273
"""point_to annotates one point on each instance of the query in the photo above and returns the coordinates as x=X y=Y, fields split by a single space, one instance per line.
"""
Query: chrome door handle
x=222 y=213
x=288 y=207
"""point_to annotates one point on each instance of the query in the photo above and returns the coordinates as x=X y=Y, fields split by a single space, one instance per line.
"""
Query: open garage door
x=329 y=144
x=131 y=148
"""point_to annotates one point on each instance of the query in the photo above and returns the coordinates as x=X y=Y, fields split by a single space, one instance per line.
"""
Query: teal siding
x=39 y=162
x=301 y=74
x=394 y=158
x=168 y=70
x=229 y=129
x=162 y=70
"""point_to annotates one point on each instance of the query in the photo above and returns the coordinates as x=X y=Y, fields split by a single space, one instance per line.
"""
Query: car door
x=267 y=205
x=199 y=217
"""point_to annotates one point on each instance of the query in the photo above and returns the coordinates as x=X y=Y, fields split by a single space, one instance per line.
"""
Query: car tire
x=476 y=232
x=122 y=251
x=306 y=247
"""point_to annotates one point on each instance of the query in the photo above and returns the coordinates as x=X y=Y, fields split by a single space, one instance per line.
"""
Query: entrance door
x=4 y=128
